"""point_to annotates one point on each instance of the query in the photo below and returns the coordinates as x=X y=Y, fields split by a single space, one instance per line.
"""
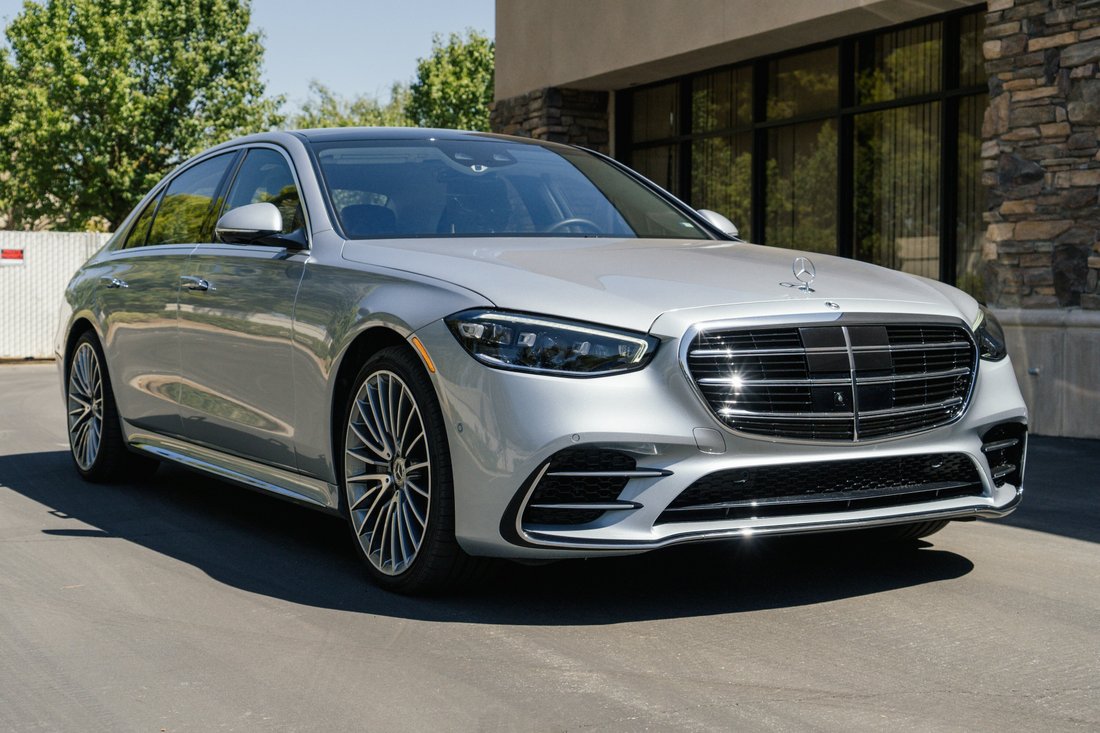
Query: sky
x=351 y=46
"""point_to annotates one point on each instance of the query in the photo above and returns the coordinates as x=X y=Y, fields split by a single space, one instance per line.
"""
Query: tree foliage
x=326 y=108
x=454 y=85
x=99 y=98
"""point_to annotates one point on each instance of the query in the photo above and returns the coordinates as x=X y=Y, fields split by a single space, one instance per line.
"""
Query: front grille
x=843 y=383
x=827 y=486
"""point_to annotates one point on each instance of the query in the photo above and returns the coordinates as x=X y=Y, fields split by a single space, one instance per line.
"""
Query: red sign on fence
x=11 y=257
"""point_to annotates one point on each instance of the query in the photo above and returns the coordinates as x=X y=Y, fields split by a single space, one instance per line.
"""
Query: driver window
x=264 y=176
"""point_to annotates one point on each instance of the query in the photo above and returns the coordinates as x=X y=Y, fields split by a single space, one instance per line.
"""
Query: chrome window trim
x=819 y=319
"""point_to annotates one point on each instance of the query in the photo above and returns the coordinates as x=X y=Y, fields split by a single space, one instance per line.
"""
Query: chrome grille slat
x=831 y=382
x=905 y=411
x=861 y=381
x=808 y=415
x=829 y=349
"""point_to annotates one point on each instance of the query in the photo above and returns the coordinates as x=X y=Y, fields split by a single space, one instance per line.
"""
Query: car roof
x=338 y=134
x=353 y=134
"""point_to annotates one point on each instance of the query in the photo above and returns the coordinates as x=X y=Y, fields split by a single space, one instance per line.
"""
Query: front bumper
x=504 y=426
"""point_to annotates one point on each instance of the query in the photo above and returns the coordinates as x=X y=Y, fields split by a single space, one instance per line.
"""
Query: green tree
x=111 y=94
x=326 y=108
x=7 y=147
x=454 y=85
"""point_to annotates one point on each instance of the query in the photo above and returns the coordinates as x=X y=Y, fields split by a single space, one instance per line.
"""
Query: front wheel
x=398 y=494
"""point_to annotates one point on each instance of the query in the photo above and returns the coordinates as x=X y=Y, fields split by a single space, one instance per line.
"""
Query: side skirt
x=311 y=492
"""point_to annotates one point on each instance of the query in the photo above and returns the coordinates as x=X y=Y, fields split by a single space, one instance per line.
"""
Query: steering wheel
x=574 y=221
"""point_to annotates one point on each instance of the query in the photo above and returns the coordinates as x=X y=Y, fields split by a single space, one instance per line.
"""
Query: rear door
x=236 y=326
x=138 y=293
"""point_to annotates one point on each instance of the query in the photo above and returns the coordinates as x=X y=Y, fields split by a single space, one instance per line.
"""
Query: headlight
x=991 y=337
x=548 y=345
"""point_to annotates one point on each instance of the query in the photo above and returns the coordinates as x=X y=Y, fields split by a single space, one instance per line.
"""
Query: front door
x=237 y=325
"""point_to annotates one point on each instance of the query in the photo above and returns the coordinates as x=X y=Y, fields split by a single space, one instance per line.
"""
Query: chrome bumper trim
x=539 y=539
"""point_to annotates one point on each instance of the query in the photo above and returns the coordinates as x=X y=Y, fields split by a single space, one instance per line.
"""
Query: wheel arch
x=362 y=347
x=79 y=326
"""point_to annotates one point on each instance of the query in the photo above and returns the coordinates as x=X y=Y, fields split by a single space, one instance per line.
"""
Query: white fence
x=35 y=267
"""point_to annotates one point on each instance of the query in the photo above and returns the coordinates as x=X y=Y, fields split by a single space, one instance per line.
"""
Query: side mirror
x=719 y=222
x=257 y=224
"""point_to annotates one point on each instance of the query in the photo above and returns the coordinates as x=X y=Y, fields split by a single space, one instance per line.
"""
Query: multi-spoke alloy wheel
x=388 y=472
x=395 y=471
x=85 y=406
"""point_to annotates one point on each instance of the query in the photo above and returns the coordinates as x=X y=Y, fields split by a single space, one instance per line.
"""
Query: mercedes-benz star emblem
x=804 y=272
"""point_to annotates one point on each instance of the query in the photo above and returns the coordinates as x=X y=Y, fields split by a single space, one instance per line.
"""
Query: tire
x=396 y=485
x=96 y=443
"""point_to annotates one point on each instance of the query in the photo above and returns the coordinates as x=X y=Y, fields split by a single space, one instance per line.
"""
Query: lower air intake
x=827 y=486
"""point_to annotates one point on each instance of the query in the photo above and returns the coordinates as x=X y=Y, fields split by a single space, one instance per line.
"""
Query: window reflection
x=897 y=188
x=722 y=100
x=971 y=60
x=971 y=196
x=721 y=178
x=655 y=113
x=903 y=63
x=658 y=164
x=182 y=216
x=803 y=83
x=801 y=180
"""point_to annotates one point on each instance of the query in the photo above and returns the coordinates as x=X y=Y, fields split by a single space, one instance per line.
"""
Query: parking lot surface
x=186 y=604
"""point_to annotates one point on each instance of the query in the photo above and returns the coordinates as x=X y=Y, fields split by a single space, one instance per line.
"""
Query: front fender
x=338 y=302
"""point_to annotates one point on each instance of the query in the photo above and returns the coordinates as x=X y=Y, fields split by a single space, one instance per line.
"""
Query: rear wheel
x=398 y=494
x=96 y=442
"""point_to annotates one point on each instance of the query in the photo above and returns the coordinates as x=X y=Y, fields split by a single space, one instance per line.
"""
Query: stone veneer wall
x=1040 y=153
x=1041 y=166
x=574 y=116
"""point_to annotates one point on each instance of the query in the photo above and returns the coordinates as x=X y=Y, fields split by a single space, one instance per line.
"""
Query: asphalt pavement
x=186 y=604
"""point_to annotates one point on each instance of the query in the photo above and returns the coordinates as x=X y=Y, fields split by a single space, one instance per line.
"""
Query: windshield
x=446 y=188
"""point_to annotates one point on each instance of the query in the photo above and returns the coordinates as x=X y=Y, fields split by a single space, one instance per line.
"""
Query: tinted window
x=265 y=177
x=183 y=214
x=414 y=188
x=139 y=232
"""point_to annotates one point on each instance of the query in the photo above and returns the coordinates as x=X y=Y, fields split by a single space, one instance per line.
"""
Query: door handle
x=113 y=282
x=193 y=282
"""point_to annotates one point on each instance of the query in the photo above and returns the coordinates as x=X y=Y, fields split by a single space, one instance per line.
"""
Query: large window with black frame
x=867 y=147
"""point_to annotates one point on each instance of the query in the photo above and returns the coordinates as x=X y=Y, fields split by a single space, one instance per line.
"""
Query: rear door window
x=139 y=232
x=184 y=213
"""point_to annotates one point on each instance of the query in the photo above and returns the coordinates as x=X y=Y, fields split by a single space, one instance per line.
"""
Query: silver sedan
x=477 y=346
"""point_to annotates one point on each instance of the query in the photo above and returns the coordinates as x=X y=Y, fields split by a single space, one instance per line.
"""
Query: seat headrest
x=368 y=220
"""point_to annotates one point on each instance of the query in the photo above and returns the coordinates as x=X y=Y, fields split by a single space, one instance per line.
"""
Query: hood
x=658 y=285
